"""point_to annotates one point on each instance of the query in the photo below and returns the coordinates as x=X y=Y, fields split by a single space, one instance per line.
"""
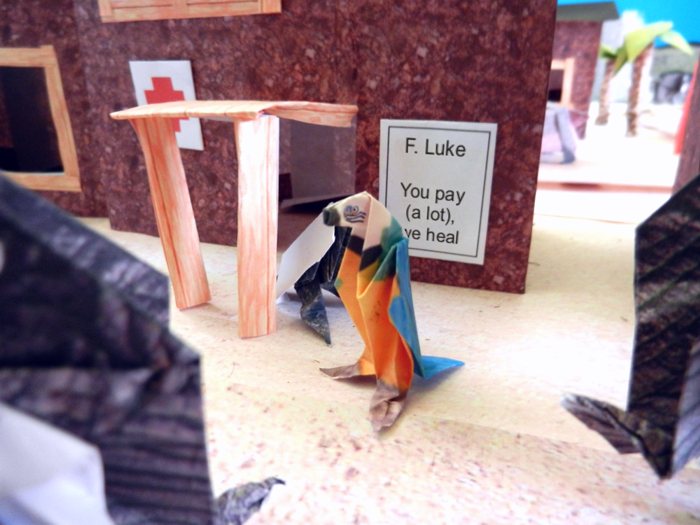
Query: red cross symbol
x=163 y=91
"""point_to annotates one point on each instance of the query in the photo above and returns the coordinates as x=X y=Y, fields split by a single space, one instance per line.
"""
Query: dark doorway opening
x=28 y=139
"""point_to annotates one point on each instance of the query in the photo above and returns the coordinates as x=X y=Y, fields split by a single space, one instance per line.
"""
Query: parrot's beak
x=331 y=217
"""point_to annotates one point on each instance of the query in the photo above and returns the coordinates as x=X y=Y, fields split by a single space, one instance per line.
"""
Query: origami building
x=575 y=56
x=393 y=61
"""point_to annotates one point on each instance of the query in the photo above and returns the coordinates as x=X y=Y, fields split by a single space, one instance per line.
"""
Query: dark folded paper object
x=236 y=505
x=321 y=276
x=84 y=345
x=662 y=420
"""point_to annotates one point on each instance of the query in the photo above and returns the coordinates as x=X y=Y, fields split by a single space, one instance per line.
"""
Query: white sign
x=435 y=178
x=168 y=81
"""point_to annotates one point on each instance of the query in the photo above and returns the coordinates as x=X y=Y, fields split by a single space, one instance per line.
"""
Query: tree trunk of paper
x=604 y=99
x=635 y=88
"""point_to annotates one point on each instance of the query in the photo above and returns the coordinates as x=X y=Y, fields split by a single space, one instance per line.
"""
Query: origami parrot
x=374 y=284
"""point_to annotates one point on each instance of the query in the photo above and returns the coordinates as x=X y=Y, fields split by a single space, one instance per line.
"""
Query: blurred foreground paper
x=374 y=283
x=85 y=346
x=47 y=476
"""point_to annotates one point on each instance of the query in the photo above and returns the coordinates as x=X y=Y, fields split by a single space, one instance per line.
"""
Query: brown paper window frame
x=138 y=10
x=45 y=57
x=567 y=67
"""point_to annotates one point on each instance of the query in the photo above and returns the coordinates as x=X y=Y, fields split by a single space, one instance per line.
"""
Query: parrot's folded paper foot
x=343 y=372
x=386 y=405
x=625 y=431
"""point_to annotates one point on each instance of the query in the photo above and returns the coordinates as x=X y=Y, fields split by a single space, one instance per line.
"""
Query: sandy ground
x=487 y=443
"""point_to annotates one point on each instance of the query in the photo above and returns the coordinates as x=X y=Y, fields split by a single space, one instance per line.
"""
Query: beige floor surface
x=487 y=443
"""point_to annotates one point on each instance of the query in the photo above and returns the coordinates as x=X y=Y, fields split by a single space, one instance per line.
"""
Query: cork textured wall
x=477 y=61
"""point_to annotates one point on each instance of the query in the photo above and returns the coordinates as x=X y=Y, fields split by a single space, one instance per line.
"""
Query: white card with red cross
x=167 y=81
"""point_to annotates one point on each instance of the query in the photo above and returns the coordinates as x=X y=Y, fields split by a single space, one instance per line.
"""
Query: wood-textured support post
x=173 y=210
x=257 y=146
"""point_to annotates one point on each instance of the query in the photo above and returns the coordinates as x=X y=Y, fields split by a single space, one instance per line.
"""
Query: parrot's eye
x=354 y=214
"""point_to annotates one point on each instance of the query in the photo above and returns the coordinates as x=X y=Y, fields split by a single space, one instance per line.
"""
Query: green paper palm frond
x=607 y=52
x=675 y=39
x=638 y=40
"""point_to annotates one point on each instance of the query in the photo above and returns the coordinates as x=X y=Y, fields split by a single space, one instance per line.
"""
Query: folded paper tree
x=374 y=283
x=662 y=420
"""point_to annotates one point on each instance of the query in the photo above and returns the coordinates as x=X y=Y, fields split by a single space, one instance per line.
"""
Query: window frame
x=141 y=10
x=567 y=67
x=45 y=57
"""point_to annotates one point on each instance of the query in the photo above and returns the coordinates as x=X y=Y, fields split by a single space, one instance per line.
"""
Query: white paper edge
x=304 y=252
